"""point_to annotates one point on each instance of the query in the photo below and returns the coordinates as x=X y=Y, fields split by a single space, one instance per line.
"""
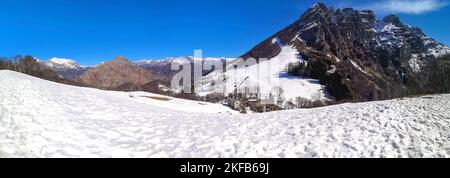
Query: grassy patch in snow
x=158 y=98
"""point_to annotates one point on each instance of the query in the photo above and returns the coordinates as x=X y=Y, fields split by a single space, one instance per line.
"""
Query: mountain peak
x=61 y=60
x=122 y=75
x=394 y=19
x=319 y=5
x=316 y=12
x=62 y=63
x=120 y=59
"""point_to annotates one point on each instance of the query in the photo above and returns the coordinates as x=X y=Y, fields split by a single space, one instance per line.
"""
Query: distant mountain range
x=330 y=54
x=122 y=74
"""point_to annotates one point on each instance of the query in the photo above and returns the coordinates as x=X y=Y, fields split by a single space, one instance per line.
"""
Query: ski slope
x=45 y=119
x=266 y=82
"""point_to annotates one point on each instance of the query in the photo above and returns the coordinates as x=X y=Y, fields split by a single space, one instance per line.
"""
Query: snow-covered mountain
x=391 y=34
x=168 y=61
x=60 y=63
x=163 y=62
x=39 y=118
x=66 y=68
x=354 y=56
x=162 y=67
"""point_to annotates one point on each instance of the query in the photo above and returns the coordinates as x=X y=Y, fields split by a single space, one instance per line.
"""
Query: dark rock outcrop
x=118 y=74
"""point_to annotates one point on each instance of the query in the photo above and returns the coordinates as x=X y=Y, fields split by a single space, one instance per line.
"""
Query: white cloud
x=408 y=6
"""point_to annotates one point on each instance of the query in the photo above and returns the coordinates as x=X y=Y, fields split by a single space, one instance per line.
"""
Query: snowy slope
x=292 y=87
x=45 y=119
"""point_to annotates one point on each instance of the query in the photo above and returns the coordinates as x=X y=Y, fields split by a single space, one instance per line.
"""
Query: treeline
x=440 y=75
x=30 y=66
x=318 y=67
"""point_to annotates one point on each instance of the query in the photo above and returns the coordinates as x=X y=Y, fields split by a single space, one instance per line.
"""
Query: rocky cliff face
x=358 y=57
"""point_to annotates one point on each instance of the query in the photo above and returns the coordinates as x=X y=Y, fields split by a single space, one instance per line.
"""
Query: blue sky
x=92 y=31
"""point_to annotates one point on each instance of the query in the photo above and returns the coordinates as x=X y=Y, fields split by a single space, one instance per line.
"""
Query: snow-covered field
x=44 y=119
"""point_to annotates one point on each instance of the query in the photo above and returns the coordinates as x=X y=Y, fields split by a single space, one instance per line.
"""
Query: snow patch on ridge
x=63 y=64
x=439 y=51
x=415 y=63
x=358 y=67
